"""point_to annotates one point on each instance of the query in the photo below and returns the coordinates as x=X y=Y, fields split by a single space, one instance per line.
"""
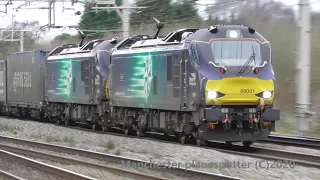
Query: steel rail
x=276 y=155
x=306 y=142
x=44 y=167
x=113 y=170
x=115 y=159
x=9 y=175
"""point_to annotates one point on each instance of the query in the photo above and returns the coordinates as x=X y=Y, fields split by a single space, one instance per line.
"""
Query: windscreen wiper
x=248 y=62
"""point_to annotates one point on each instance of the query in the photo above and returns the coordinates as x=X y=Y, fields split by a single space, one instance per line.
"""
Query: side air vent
x=251 y=30
x=213 y=29
x=169 y=68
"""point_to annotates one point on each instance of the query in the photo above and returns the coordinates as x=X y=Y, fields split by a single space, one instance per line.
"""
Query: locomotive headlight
x=233 y=34
x=266 y=94
x=212 y=94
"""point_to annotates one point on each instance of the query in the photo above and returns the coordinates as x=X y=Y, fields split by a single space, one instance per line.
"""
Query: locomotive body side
x=154 y=88
x=148 y=78
x=71 y=79
x=76 y=82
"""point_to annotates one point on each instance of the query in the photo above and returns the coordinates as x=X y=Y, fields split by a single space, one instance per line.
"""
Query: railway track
x=276 y=155
x=186 y=174
x=8 y=175
x=311 y=143
x=256 y=152
x=262 y=153
x=306 y=142
x=59 y=172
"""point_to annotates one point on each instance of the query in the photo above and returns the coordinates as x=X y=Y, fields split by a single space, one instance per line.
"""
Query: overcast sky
x=68 y=17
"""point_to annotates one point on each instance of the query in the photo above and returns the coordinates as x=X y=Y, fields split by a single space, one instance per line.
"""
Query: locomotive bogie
x=141 y=120
x=73 y=113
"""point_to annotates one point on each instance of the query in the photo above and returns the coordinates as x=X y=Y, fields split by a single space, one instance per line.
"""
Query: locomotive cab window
x=235 y=53
x=169 y=68
x=194 y=55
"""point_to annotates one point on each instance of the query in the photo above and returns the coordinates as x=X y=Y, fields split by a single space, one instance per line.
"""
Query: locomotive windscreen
x=235 y=53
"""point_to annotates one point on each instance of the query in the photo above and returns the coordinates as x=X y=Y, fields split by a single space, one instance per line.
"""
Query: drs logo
x=246 y=91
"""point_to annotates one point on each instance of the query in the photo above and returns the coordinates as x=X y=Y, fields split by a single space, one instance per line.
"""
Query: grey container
x=3 y=82
x=26 y=75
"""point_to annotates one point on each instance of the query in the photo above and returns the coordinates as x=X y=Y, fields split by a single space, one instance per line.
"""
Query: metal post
x=97 y=8
x=12 y=28
x=21 y=41
x=54 y=12
x=49 y=14
x=125 y=18
x=303 y=70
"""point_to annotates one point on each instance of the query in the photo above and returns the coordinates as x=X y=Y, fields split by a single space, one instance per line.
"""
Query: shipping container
x=26 y=75
x=3 y=82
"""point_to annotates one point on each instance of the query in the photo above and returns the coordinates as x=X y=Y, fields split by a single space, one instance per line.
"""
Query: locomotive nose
x=238 y=91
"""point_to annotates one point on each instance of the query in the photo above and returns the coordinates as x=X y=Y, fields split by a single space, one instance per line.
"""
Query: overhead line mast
x=303 y=70
x=21 y=39
x=123 y=11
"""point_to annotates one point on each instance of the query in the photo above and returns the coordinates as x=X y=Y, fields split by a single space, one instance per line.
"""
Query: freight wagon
x=24 y=76
x=3 y=85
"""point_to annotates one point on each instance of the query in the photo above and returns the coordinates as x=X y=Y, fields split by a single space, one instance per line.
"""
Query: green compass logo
x=65 y=77
x=147 y=76
x=140 y=83
x=69 y=78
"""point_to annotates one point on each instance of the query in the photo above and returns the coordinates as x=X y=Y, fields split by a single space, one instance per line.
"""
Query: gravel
x=95 y=173
x=26 y=172
x=155 y=151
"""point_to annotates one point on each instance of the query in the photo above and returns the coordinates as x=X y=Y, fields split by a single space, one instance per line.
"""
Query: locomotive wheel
x=126 y=131
x=105 y=129
x=93 y=126
x=228 y=143
x=67 y=122
x=183 y=139
x=58 y=121
x=201 y=142
x=247 y=143
x=139 y=133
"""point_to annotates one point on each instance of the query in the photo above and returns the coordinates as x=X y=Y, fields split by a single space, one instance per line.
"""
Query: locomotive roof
x=203 y=35
x=220 y=31
x=146 y=41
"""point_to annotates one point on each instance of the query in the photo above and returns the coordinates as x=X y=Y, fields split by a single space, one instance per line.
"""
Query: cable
x=100 y=24
x=149 y=9
x=176 y=17
x=300 y=4
x=314 y=2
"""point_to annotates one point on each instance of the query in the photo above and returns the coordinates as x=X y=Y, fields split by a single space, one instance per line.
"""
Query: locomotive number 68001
x=247 y=91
